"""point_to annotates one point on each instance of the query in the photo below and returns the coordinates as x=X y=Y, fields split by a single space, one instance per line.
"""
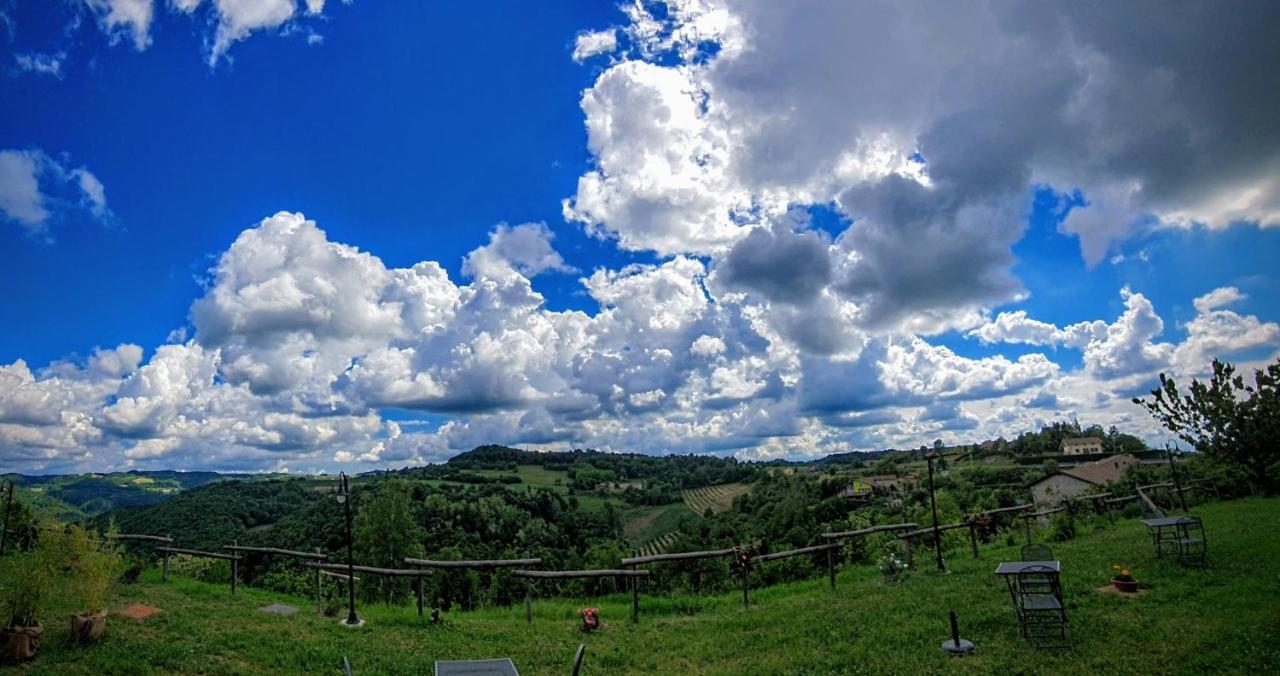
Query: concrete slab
x=279 y=609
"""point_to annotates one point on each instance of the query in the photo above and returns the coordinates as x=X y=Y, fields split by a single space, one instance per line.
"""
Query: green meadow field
x=1224 y=619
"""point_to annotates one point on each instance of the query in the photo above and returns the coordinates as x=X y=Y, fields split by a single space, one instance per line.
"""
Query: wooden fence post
x=528 y=602
x=319 y=594
x=973 y=538
x=418 y=588
x=164 y=573
x=746 y=582
x=1026 y=526
x=831 y=568
x=635 y=600
x=911 y=561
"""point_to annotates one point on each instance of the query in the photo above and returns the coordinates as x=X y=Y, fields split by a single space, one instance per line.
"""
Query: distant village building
x=891 y=483
x=858 y=490
x=1082 y=446
x=1068 y=483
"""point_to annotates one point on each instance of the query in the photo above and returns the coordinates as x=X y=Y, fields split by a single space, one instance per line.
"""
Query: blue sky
x=681 y=223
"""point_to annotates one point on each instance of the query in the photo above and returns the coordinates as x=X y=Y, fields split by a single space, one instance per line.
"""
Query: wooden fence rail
x=136 y=536
x=310 y=556
x=830 y=548
x=139 y=537
x=678 y=556
x=233 y=558
x=316 y=556
x=1002 y=510
x=868 y=531
x=416 y=573
x=532 y=575
x=480 y=565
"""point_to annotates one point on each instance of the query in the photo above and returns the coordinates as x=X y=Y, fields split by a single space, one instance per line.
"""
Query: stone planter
x=1126 y=586
x=88 y=628
x=21 y=643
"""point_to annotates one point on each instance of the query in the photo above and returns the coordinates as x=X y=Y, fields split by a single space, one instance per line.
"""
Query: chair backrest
x=1192 y=526
x=577 y=659
x=1037 y=553
x=1038 y=581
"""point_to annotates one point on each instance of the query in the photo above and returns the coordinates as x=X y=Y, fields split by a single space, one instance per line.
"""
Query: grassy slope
x=1221 y=620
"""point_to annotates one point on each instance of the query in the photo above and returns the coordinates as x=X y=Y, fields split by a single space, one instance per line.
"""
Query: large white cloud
x=818 y=104
x=301 y=345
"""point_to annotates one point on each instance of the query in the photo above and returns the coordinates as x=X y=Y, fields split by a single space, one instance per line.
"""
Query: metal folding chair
x=1037 y=552
x=1042 y=616
x=1193 y=547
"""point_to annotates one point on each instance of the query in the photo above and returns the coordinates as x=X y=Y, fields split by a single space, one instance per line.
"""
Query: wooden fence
x=747 y=562
x=423 y=568
x=681 y=556
x=531 y=575
x=273 y=551
x=233 y=558
x=416 y=573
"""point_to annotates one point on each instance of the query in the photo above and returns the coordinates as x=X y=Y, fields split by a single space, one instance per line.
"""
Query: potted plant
x=33 y=576
x=95 y=565
x=1122 y=580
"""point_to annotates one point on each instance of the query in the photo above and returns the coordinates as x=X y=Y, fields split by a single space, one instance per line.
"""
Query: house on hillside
x=858 y=490
x=1082 y=446
x=1073 y=481
x=884 y=483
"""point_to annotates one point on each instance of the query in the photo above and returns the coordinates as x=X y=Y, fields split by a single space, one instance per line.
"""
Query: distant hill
x=71 y=496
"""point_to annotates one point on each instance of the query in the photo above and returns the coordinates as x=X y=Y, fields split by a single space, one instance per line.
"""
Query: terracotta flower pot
x=89 y=628
x=21 y=643
x=1126 y=586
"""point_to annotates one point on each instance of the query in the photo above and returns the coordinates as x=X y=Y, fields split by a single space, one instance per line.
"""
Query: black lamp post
x=933 y=503
x=1169 y=447
x=344 y=499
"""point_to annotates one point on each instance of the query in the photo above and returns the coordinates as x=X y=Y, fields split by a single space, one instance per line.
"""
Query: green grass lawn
x=1225 y=619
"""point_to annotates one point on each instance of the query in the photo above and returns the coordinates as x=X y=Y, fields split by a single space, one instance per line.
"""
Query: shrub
x=200 y=568
x=1062 y=527
x=36 y=572
x=95 y=564
x=892 y=561
x=295 y=583
x=133 y=569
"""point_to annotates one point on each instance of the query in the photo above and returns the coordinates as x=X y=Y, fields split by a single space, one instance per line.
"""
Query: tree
x=385 y=533
x=1226 y=418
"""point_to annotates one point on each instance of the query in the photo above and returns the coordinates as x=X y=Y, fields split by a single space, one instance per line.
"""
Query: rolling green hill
x=73 y=496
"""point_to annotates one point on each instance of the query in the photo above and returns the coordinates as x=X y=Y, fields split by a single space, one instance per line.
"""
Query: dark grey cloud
x=779 y=264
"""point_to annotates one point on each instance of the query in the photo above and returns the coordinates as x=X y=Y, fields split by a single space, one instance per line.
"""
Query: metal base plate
x=964 y=648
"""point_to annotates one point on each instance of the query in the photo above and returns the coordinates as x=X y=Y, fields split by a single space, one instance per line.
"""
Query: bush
x=35 y=574
x=200 y=568
x=133 y=568
x=95 y=564
x=292 y=582
x=1062 y=527
x=892 y=561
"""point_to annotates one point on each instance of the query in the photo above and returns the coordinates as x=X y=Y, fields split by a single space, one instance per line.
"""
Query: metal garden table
x=1164 y=530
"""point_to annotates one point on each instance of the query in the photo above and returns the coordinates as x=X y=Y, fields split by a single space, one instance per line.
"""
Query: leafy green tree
x=1226 y=418
x=385 y=533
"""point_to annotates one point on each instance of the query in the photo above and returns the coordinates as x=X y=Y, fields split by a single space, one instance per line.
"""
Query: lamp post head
x=343 y=488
